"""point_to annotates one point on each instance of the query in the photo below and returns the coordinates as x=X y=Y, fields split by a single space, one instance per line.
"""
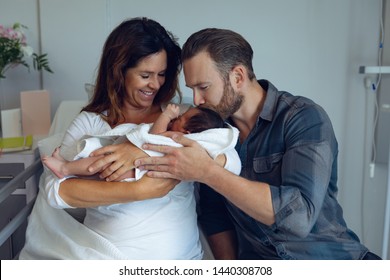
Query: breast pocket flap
x=266 y=164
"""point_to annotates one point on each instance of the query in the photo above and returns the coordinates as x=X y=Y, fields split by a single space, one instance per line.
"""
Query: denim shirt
x=293 y=148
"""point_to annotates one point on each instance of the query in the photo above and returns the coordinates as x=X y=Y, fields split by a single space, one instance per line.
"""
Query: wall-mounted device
x=382 y=138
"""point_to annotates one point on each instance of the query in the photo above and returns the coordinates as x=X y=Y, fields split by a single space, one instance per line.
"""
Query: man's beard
x=230 y=102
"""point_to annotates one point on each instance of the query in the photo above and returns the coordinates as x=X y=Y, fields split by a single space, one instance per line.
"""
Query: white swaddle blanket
x=54 y=234
x=216 y=140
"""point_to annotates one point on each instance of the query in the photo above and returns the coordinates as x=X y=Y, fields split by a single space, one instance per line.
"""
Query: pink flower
x=14 y=48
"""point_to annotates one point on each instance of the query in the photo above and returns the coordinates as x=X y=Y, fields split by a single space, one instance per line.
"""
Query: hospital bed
x=15 y=229
x=12 y=235
x=14 y=210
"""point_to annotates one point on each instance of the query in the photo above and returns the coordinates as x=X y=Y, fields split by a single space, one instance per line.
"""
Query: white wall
x=362 y=197
x=310 y=48
x=18 y=79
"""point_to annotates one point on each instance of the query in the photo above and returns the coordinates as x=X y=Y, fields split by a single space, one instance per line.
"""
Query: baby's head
x=197 y=119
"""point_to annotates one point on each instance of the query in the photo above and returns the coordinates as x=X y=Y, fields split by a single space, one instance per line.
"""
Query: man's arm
x=192 y=162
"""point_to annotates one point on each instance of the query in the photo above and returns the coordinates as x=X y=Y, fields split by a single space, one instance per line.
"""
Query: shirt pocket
x=269 y=168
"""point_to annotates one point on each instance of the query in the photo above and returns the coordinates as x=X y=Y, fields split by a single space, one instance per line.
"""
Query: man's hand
x=117 y=160
x=190 y=162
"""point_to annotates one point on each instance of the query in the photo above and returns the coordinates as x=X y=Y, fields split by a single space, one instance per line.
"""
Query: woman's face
x=143 y=81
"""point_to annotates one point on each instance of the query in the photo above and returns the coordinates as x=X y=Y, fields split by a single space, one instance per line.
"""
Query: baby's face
x=179 y=123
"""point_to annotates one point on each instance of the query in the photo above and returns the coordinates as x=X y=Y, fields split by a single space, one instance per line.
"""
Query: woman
x=138 y=73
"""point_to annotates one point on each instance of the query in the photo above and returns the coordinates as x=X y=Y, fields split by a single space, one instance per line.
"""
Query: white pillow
x=46 y=146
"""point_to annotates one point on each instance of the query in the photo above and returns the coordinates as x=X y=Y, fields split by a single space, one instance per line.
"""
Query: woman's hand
x=117 y=159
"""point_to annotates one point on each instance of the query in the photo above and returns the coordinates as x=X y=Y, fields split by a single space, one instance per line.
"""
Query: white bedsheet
x=54 y=234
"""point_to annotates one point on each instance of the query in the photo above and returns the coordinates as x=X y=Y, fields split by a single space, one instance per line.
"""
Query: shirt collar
x=271 y=99
x=270 y=103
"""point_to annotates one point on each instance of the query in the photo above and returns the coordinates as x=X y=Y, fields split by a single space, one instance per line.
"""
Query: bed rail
x=34 y=169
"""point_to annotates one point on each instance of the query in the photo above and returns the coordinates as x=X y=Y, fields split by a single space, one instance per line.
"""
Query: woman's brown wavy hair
x=127 y=44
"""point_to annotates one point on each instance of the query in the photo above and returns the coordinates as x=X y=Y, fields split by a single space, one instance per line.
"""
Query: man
x=283 y=205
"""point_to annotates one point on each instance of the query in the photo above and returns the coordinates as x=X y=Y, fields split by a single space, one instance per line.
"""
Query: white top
x=161 y=228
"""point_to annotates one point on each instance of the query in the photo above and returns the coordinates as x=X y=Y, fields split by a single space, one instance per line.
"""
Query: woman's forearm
x=91 y=193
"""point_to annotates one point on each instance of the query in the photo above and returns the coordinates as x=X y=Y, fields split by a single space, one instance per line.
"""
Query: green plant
x=14 y=50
